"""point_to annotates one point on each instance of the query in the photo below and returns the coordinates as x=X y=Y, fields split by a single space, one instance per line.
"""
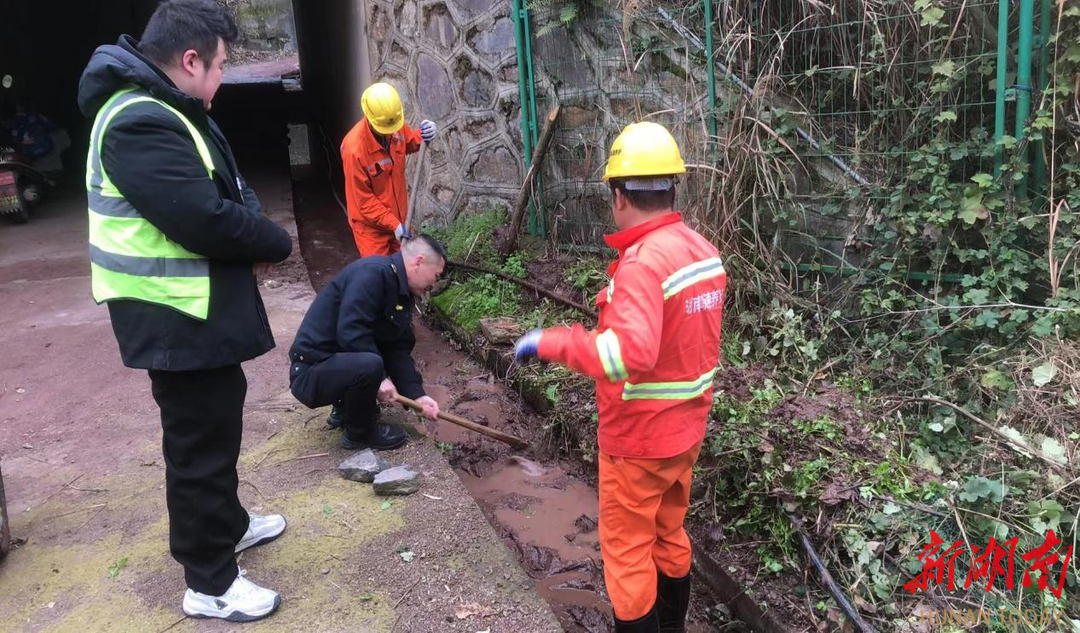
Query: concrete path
x=80 y=443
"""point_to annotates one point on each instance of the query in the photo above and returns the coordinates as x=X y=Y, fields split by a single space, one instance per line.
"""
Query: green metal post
x=1044 y=81
x=1023 y=77
x=523 y=90
x=537 y=221
x=710 y=70
x=524 y=64
x=999 y=97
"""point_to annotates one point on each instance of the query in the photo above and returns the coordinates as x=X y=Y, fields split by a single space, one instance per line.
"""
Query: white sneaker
x=261 y=529
x=243 y=602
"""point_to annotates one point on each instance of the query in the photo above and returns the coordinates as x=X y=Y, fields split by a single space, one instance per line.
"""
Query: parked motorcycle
x=21 y=186
x=25 y=179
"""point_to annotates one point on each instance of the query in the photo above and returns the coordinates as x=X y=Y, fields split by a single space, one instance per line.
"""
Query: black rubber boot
x=335 y=419
x=672 y=602
x=647 y=623
x=379 y=436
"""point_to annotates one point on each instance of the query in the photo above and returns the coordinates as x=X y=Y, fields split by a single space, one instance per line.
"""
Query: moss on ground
x=76 y=580
x=472 y=237
x=293 y=440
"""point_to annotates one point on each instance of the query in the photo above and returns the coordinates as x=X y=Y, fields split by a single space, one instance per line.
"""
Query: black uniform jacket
x=366 y=308
x=150 y=156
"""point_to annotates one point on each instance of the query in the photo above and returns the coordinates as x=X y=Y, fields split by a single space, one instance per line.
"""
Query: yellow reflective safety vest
x=129 y=257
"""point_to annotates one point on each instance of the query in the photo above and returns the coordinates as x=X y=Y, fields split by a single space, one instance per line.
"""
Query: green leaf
x=978 y=488
x=983 y=180
x=1043 y=374
x=568 y=13
x=972 y=208
x=936 y=427
x=948 y=115
x=977 y=296
x=367 y=597
x=1006 y=141
x=932 y=16
x=1054 y=450
x=890 y=508
x=988 y=319
x=946 y=68
x=114 y=569
x=927 y=461
x=995 y=379
x=327 y=509
x=407 y=556
x=386 y=505
x=1015 y=436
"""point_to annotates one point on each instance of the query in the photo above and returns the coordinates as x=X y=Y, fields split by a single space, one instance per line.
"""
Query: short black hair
x=434 y=245
x=178 y=26
x=645 y=200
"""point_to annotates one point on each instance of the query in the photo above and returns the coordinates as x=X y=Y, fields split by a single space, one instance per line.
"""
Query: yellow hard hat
x=382 y=107
x=642 y=150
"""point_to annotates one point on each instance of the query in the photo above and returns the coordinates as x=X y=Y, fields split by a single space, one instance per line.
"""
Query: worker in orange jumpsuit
x=653 y=355
x=373 y=158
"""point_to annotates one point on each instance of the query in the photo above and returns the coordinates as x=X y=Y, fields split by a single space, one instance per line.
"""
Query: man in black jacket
x=354 y=346
x=174 y=236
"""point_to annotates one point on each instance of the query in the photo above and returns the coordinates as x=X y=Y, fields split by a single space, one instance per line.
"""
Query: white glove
x=402 y=233
x=527 y=346
x=427 y=130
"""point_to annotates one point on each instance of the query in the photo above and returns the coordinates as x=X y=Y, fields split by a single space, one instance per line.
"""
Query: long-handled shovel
x=516 y=442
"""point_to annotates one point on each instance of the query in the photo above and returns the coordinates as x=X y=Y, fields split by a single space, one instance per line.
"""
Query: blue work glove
x=527 y=346
x=402 y=233
x=427 y=130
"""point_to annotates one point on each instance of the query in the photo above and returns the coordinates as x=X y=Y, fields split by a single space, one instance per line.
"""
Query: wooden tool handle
x=413 y=192
x=462 y=422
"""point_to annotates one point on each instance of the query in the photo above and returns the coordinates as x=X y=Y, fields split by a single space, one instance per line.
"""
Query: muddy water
x=543 y=509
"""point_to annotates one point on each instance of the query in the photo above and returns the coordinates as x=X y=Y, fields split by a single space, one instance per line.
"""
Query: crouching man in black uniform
x=354 y=347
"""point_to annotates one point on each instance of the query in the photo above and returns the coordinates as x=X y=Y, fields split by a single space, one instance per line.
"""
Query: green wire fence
x=797 y=117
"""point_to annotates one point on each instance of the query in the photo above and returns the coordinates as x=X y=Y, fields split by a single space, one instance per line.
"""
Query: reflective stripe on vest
x=129 y=257
x=689 y=275
x=669 y=390
x=607 y=346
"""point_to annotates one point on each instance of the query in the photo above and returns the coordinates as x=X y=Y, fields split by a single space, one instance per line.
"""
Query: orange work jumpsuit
x=653 y=355
x=375 y=186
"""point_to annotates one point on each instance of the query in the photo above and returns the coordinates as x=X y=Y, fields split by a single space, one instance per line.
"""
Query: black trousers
x=202 y=417
x=349 y=379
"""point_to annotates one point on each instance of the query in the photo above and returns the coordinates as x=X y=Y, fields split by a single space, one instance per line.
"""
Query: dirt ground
x=541 y=506
x=80 y=444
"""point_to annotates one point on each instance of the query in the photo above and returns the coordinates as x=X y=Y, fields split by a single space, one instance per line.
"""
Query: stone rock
x=433 y=89
x=495 y=41
x=477 y=87
x=363 y=467
x=585 y=524
x=406 y=18
x=378 y=31
x=444 y=195
x=399 y=53
x=266 y=25
x=561 y=60
x=397 y=481
x=500 y=331
x=475 y=7
x=447 y=147
x=480 y=129
x=509 y=75
x=574 y=116
x=495 y=165
x=439 y=27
